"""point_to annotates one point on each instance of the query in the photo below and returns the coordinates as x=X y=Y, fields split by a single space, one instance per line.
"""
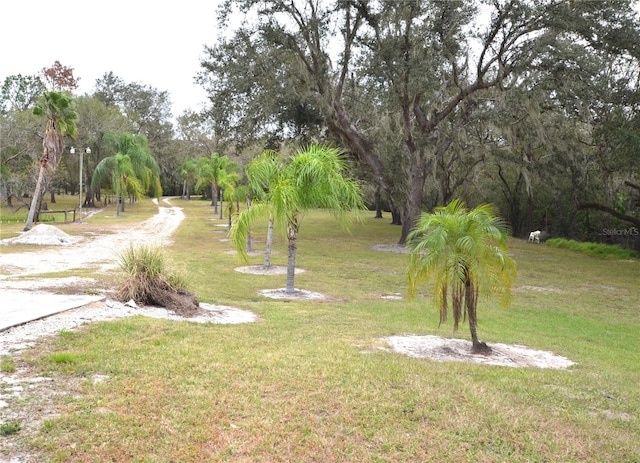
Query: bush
x=609 y=251
x=150 y=280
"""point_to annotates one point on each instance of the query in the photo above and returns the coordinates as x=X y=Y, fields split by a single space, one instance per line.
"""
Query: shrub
x=594 y=249
x=150 y=280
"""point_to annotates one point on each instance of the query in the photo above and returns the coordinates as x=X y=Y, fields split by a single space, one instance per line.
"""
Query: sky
x=159 y=44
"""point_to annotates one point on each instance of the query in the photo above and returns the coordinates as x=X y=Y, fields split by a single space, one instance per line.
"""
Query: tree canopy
x=403 y=83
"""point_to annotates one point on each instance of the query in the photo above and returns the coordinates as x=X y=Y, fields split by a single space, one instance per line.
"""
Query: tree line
x=531 y=106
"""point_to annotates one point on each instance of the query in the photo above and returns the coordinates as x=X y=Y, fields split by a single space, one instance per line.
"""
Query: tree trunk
x=119 y=202
x=292 y=236
x=34 y=200
x=247 y=204
x=471 y=302
x=412 y=208
x=267 y=254
x=378 y=201
x=396 y=217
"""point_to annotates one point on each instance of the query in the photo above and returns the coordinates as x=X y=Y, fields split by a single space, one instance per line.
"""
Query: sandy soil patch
x=262 y=270
x=459 y=350
x=391 y=248
x=297 y=294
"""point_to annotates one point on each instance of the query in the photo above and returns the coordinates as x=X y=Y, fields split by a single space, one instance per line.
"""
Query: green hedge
x=594 y=249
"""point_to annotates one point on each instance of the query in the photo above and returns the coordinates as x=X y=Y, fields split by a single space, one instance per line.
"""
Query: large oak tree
x=420 y=65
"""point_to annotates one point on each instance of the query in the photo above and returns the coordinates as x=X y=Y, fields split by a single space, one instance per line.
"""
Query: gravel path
x=98 y=250
x=20 y=272
x=26 y=398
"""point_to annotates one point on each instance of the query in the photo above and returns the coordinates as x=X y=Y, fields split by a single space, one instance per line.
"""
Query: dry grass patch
x=150 y=280
x=297 y=387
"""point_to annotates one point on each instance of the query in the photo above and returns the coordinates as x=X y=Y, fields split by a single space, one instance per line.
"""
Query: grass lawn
x=308 y=382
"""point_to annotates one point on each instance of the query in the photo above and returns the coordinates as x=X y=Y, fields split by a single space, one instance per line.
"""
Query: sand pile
x=43 y=234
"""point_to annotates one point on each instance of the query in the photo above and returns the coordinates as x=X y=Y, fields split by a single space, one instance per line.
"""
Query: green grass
x=594 y=249
x=19 y=211
x=308 y=383
x=7 y=429
x=7 y=365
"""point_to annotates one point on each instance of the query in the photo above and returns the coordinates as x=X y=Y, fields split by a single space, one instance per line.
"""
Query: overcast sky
x=153 y=43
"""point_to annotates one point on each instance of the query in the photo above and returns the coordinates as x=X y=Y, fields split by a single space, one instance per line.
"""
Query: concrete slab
x=20 y=307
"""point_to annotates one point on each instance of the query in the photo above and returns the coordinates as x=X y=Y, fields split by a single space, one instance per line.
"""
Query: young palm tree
x=60 y=111
x=133 y=170
x=238 y=193
x=262 y=172
x=214 y=171
x=228 y=177
x=315 y=178
x=464 y=252
x=187 y=172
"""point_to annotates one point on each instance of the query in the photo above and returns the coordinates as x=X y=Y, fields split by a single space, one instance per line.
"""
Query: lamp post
x=87 y=150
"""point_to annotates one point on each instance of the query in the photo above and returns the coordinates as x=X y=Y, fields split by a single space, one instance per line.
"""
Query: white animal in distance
x=534 y=236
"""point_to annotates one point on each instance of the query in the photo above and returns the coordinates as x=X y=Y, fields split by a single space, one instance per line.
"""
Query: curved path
x=20 y=302
x=101 y=250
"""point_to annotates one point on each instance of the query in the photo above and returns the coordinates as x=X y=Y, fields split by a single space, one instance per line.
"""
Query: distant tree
x=197 y=131
x=214 y=172
x=263 y=173
x=228 y=178
x=411 y=68
x=187 y=171
x=20 y=148
x=132 y=170
x=59 y=77
x=464 y=253
x=96 y=122
x=314 y=178
x=60 y=111
x=149 y=113
x=20 y=92
x=109 y=89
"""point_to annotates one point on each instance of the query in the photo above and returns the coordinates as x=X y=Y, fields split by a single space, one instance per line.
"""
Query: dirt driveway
x=100 y=250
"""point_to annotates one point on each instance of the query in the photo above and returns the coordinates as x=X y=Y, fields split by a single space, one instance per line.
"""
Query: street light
x=87 y=150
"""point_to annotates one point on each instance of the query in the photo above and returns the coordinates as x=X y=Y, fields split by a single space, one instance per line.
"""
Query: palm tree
x=228 y=177
x=187 y=172
x=237 y=194
x=132 y=169
x=60 y=111
x=314 y=178
x=262 y=172
x=464 y=252
x=214 y=171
